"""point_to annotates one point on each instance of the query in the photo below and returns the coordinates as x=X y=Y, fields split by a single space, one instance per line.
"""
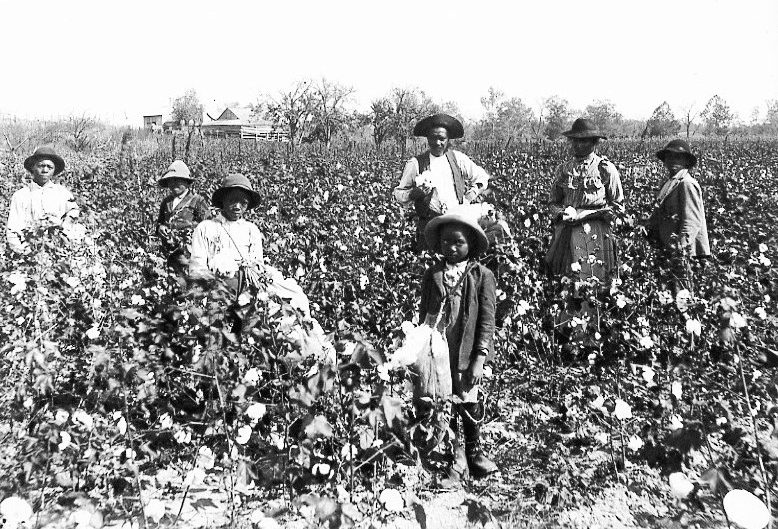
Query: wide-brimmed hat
x=177 y=169
x=46 y=152
x=678 y=147
x=235 y=181
x=432 y=231
x=450 y=123
x=584 y=128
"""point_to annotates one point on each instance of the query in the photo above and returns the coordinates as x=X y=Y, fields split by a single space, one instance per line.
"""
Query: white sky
x=120 y=60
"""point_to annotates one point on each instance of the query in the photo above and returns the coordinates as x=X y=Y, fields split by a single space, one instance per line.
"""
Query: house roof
x=234 y=115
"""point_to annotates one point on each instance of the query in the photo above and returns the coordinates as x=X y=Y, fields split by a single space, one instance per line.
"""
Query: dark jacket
x=477 y=309
x=682 y=214
x=191 y=211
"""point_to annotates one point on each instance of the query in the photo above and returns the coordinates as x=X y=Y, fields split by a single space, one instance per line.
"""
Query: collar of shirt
x=35 y=185
x=453 y=272
x=177 y=200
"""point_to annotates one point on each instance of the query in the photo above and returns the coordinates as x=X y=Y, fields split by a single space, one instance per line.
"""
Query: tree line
x=320 y=111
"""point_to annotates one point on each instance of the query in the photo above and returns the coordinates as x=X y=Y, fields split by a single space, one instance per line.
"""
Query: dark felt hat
x=177 y=169
x=48 y=153
x=584 y=128
x=235 y=181
x=450 y=123
x=432 y=231
x=678 y=147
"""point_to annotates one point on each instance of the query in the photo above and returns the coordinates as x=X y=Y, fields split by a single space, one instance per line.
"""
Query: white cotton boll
x=256 y=411
x=623 y=410
x=155 y=510
x=61 y=417
x=165 y=421
x=635 y=443
x=648 y=374
x=251 y=376
x=244 y=434
x=762 y=247
x=205 y=458
x=646 y=342
x=745 y=509
x=194 y=477
x=392 y=500
x=66 y=440
x=83 y=419
x=15 y=510
x=676 y=423
x=676 y=389
x=183 y=436
x=93 y=332
x=737 y=321
x=760 y=313
x=680 y=485
x=575 y=267
x=693 y=326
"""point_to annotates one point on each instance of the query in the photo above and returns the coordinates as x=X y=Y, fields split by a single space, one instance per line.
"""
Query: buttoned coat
x=680 y=218
x=477 y=309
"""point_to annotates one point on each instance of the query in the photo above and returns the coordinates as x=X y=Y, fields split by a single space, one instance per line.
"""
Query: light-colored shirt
x=36 y=205
x=476 y=180
x=177 y=200
x=220 y=245
x=591 y=183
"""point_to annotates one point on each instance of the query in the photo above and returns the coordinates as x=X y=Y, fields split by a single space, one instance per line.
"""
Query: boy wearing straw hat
x=460 y=293
x=180 y=212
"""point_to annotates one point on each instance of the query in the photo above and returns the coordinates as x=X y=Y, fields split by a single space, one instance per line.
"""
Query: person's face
x=43 y=171
x=235 y=204
x=438 y=141
x=674 y=162
x=582 y=147
x=178 y=186
x=454 y=244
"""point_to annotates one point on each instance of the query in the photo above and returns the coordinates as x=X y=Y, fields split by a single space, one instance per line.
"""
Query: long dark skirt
x=590 y=244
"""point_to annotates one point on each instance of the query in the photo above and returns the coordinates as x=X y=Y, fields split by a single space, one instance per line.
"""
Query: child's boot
x=479 y=465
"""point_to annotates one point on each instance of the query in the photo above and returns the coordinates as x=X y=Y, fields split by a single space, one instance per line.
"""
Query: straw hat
x=432 y=231
x=235 y=181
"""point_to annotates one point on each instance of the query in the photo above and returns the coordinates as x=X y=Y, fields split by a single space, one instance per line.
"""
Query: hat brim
x=163 y=179
x=452 y=125
x=689 y=156
x=217 y=199
x=59 y=163
x=432 y=232
x=583 y=135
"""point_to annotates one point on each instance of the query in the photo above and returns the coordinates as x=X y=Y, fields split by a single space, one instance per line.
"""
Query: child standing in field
x=464 y=290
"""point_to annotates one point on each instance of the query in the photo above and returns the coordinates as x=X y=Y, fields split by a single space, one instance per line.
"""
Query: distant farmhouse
x=150 y=121
x=238 y=122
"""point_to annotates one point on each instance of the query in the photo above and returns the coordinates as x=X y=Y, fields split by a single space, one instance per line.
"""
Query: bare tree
x=689 y=115
x=382 y=119
x=293 y=109
x=329 y=101
x=79 y=131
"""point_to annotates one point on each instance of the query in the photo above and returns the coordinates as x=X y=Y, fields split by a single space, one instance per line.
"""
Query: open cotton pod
x=746 y=510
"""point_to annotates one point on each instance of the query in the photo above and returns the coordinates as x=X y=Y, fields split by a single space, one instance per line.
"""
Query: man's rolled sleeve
x=404 y=192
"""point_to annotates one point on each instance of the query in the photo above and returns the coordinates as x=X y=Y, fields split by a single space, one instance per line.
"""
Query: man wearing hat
x=441 y=178
x=180 y=212
x=585 y=196
x=677 y=223
x=41 y=202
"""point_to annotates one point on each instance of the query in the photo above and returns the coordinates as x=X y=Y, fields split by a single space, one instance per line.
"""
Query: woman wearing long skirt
x=585 y=196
